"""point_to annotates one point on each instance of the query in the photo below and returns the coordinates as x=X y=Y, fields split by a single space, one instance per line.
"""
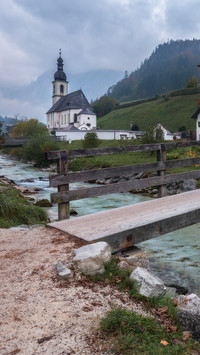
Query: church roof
x=74 y=100
x=60 y=74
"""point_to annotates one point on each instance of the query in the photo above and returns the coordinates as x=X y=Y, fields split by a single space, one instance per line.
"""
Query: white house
x=168 y=136
x=68 y=109
x=196 y=116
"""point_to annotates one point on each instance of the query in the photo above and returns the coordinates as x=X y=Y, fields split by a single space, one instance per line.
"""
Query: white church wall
x=102 y=134
x=88 y=120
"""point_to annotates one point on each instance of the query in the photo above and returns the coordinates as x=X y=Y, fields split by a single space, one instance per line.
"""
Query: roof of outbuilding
x=70 y=128
x=87 y=111
x=195 y=115
x=74 y=100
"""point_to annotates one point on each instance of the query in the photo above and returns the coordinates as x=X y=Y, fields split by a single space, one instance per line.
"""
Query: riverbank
x=41 y=314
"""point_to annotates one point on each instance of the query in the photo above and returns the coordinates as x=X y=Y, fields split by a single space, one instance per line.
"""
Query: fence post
x=63 y=208
x=161 y=157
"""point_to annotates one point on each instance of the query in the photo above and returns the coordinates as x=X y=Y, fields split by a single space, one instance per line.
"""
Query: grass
x=16 y=210
x=172 y=114
x=125 y=332
x=130 y=333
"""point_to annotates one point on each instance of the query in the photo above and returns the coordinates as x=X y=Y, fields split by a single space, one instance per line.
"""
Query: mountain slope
x=168 y=68
x=172 y=114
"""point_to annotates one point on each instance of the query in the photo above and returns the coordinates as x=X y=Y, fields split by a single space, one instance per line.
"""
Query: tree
x=29 y=128
x=35 y=149
x=192 y=83
x=182 y=129
x=90 y=140
x=153 y=135
x=134 y=127
x=104 y=105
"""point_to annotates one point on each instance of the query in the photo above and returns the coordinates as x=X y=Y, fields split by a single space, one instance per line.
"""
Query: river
x=174 y=257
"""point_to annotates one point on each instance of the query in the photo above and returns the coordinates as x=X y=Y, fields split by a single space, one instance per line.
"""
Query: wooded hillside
x=168 y=68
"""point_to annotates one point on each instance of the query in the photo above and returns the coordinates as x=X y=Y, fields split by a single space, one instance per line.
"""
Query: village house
x=196 y=116
x=167 y=135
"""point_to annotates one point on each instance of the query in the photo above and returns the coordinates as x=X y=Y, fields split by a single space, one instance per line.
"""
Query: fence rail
x=64 y=177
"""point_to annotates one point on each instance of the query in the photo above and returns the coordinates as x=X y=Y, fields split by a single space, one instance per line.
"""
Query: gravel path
x=39 y=313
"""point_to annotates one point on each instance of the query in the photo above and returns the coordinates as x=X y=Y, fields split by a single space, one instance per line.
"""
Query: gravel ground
x=41 y=314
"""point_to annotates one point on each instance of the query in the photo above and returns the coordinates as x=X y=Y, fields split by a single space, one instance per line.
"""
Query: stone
x=147 y=284
x=63 y=271
x=73 y=212
x=135 y=258
x=123 y=265
x=90 y=259
x=187 y=185
x=189 y=314
x=65 y=274
x=60 y=266
x=43 y=203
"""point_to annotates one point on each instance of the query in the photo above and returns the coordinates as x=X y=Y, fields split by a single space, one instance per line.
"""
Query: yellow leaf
x=164 y=342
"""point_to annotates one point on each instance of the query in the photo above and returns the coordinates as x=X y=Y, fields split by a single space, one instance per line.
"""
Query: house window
x=199 y=124
x=75 y=118
x=61 y=89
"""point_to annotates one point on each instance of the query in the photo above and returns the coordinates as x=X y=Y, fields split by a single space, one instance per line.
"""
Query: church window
x=65 y=119
x=198 y=124
x=62 y=119
x=75 y=118
x=54 y=89
x=88 y=124
x=62 y=89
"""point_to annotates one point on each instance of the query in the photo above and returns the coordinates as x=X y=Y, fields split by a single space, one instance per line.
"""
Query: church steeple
x=60 y=83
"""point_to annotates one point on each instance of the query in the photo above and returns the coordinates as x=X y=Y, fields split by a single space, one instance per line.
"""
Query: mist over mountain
x=94 y=84
x=168 y=68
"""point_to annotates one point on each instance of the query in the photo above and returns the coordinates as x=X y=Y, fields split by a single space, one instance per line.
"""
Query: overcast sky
x=93 y=34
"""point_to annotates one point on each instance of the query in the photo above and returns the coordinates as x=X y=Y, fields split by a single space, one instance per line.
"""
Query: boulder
x=147 y=284
x=73 y=212
x=189 y=314
x=43 y=203
x=90 y=259
x=187 y=185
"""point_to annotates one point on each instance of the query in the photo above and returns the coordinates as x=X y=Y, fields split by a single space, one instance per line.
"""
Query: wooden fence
x=64 y=177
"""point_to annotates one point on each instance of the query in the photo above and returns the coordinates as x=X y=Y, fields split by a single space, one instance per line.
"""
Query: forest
x=168 y=68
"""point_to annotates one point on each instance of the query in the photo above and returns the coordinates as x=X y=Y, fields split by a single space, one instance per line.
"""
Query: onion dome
x=60 y=74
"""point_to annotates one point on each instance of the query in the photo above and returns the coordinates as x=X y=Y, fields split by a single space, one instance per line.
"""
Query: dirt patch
x=40 y=313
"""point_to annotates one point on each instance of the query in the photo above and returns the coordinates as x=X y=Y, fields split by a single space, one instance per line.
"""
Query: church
x=69 y=111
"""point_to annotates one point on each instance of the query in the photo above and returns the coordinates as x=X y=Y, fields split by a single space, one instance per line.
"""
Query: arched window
x=61 y=89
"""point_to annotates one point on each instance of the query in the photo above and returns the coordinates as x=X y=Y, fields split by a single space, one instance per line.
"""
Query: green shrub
x=16 y=210
x=90 y=140
x=35 y=150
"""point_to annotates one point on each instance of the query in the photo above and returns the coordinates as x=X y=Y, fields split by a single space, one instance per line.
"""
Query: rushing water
x=174 y=257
